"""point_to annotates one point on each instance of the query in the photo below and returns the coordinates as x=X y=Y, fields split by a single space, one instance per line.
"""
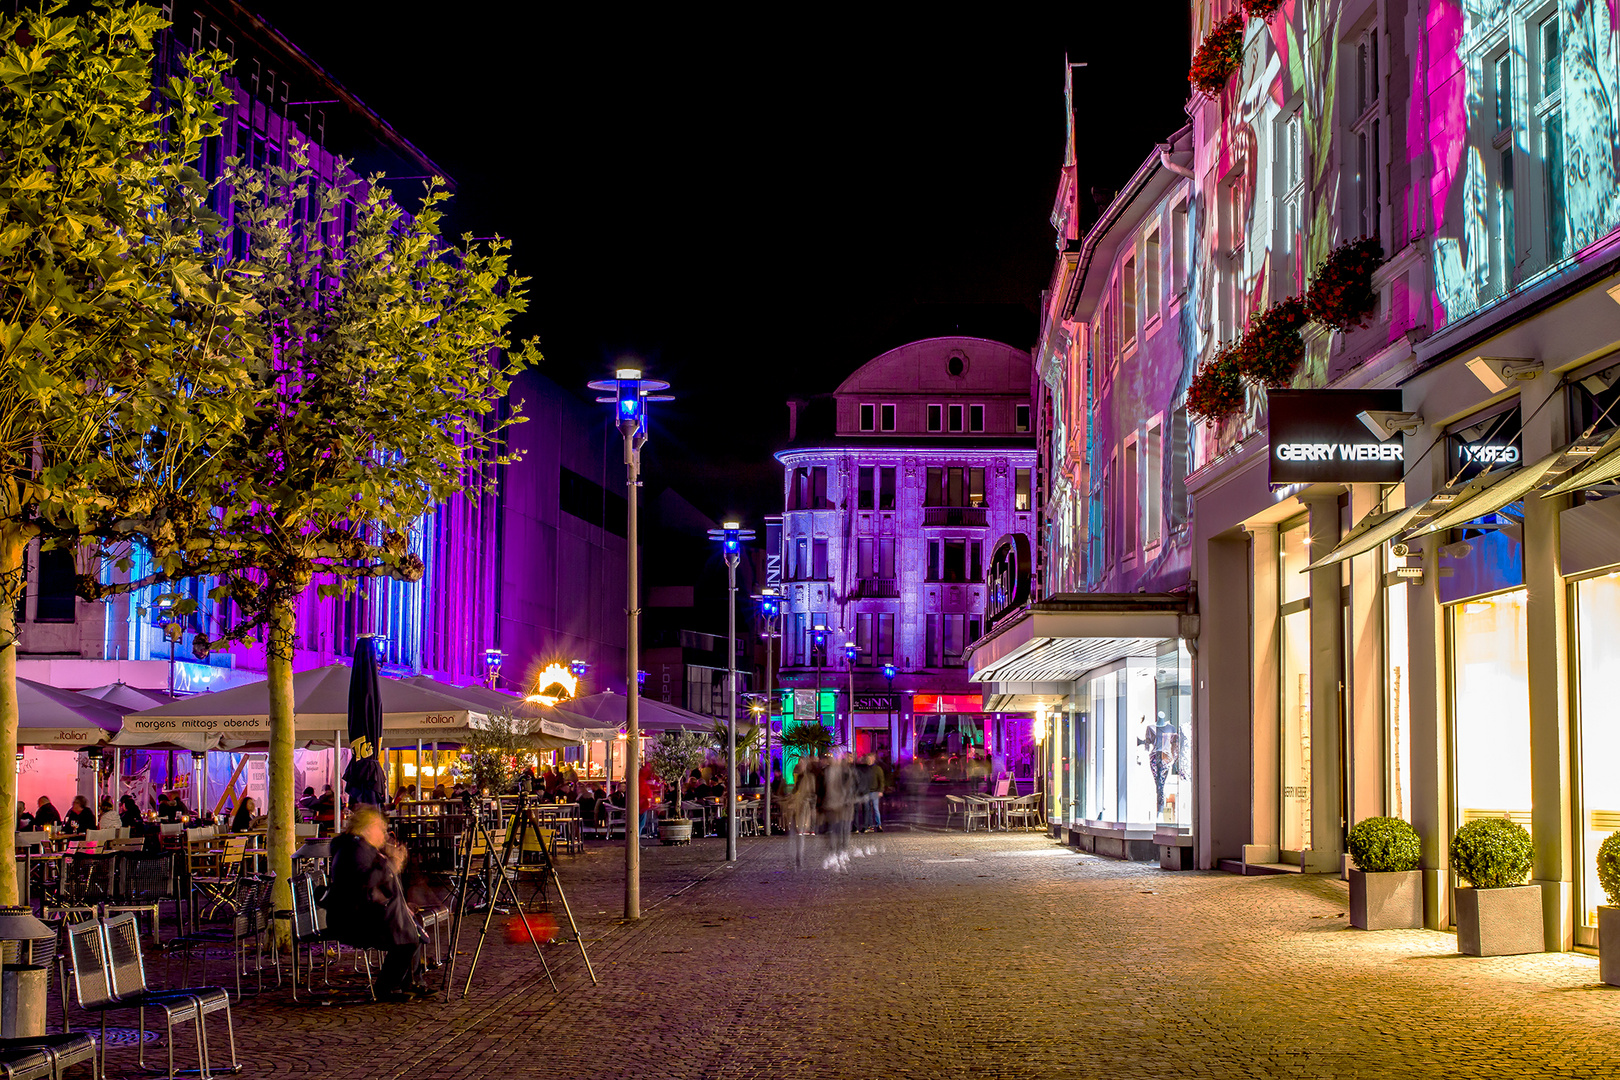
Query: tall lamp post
x=629 y=395
x=731 y=534
x=851 y=653
x=889 y=673
x=770 y=605
x=818 y=642
x=492 y=665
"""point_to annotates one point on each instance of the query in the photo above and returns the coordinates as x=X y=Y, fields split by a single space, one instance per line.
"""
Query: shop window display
x=1491 y=703
x=1294 y=593
x=1170 y=758
x=1597 y=639
x=1398 y=690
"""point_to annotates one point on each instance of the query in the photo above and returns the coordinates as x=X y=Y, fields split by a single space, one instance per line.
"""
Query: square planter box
x=1499 y=922
x=1609 y=944
x=1388 y=901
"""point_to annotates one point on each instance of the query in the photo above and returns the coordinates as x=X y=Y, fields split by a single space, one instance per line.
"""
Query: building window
x=801 y=635
x=865 y=557
x=1290 y=215
x=868 y=417
x=1021 y=417
x=1151 y=282
x=1127 y=303
x=801 y=564
x=956 y=486
x=1132 y=493
x=955 y=414
x=953 y=640
x=1504 y=246
x=1550 y=120
x=1368 y=187
x=954 y=570
x=1398 y=691
x=1178 y=248
x=866 y=497
x=934 y=492
x=933 y=561
x=886 y=486
x=1490 y=720
x=820 y=554
x=818 y=488
x=54 y=599
x=1021 y=493
x=1180 y=444
x=975 y=417
x=975 y=562
x=935 y=414
x=885 y=636
x=931 y=643
x=974 y=628
x=885 y=563
x=1152 y=489
x=975 y=491
x=863 y=637
x=1294 y=554
x=886 y=417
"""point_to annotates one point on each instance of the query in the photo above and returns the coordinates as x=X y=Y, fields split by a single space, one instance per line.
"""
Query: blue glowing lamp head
x=888 y=671
x=851 y=651
x=492 y=658
x=820 y=634
x=579 y=668
x=641 y=678
x=767 y=605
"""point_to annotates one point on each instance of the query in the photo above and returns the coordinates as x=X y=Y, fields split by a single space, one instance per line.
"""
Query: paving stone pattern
x=941 y=955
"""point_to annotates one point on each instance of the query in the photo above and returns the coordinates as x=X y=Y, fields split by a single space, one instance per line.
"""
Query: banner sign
x=1315 y=438
x=804 y=705
x=773 y=551
x=877 y=702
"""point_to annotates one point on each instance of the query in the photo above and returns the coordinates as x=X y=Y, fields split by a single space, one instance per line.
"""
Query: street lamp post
x=851 y=652
x=769 y=606
x=818 y=639
x=492 y=665
x=630 y=394
x=731 y=534
x=889 y=673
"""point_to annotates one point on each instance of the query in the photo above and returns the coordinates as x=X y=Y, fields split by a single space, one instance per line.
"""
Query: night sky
x=751 y=211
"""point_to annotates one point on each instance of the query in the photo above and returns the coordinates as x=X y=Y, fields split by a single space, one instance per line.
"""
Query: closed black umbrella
x=364 y=779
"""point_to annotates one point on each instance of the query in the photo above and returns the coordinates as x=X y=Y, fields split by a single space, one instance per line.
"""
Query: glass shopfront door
x=1294 y=592
x=1490 y=722
x=1596 y=644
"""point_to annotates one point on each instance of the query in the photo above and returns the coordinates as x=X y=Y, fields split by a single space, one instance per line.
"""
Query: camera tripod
x=515 y=838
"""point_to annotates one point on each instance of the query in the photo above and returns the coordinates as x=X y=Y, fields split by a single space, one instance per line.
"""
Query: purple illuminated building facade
x=441 y=625
x=900 y=488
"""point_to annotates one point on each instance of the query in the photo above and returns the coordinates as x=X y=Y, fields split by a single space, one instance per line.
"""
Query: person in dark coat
x=80 y=818
x=245 y=814
x=365 y=903
x=46 y=814
x=128 y=813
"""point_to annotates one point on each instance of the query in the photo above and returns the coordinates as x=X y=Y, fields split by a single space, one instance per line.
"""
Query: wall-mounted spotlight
x=1497 y=371
x=1387 y=425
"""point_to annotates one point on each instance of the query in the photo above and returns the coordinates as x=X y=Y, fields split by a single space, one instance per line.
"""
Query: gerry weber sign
x=1316 y=439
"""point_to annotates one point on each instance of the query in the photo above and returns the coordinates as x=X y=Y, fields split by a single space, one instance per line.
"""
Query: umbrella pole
x=419 y=780
x=337 y=794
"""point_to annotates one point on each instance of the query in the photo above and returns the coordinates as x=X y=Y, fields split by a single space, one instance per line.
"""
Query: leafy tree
x=750 y=741
x=120 y=340
x=674 y=755
x=487 y=752
x=377 y=375
x=808 y=738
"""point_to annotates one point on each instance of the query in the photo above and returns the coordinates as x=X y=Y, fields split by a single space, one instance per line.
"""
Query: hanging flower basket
x=1261 y=9
x=1271 y=350
x=1219 y=56
x=1341 y=292
x=1217 y=390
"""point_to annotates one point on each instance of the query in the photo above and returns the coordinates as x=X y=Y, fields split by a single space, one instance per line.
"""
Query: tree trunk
x=13 y=543
x=281 y=838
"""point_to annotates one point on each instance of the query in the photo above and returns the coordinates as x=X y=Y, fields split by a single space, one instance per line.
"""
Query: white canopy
x=320 y=708
x=551 y=728
x=610 y=709
x=126 y=698
x=62 y=718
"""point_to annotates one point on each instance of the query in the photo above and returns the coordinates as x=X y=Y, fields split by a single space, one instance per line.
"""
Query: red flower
x=1271 y=351
x=1219 y=56
x=1261 y=9
x=1216 y=391
x=1341 y=293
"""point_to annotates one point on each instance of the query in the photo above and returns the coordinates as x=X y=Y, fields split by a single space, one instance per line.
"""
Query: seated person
x=109 y=817
x=325 y=808
x=617 y=798
x=170 y=808
x=587 y=808
x=365 y=903
x=439 y=792
x=129 y=815
x=45 y=814
x=25 y=820
x=246 y=814
x=80 y=818
x=307 y=800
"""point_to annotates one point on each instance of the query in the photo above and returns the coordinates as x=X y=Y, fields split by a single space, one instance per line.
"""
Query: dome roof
x=944 y=365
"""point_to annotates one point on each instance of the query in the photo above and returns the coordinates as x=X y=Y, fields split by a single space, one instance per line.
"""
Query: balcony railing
x=877 y=589
x=971 y=517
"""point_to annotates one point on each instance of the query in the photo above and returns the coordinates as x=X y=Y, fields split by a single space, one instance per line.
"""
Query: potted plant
x=1341 y=290
x=1219 y=56
x=1500 y=915
x=1272 y=348
x=1386 y=886
x=673 y=756
x=1608 y=868
x=1261 y=9
x=1216 y=392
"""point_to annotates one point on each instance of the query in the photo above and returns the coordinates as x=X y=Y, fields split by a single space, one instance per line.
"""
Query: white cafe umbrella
x=62 y=719
x=320 y=709
x=126 y=698
x=610 y=709
x=549 y=729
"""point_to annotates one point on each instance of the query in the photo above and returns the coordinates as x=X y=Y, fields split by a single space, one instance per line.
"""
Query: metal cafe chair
x=128 y=973
x=248 y=923
x=144 y=883
x=91 y=963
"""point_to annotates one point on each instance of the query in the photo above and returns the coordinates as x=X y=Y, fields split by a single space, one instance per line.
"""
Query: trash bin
x=27 y=947
x=22 y=1000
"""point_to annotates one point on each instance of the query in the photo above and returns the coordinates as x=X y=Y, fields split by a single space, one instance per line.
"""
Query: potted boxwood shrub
x=673 y=756
x=1386 y=887
x=1608 y=868
x=1500 y=915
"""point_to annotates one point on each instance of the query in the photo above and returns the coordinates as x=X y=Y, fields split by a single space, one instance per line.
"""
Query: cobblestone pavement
x=934 y=954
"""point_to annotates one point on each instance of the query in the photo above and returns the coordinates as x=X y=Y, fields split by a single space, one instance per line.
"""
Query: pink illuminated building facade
x=1431 y=641
x=901 y=488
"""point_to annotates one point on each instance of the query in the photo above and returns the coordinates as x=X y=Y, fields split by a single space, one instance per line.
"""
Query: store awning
x=1375 y=529
x=1601 y=468
x=1062 y=637
x=1491 y=491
